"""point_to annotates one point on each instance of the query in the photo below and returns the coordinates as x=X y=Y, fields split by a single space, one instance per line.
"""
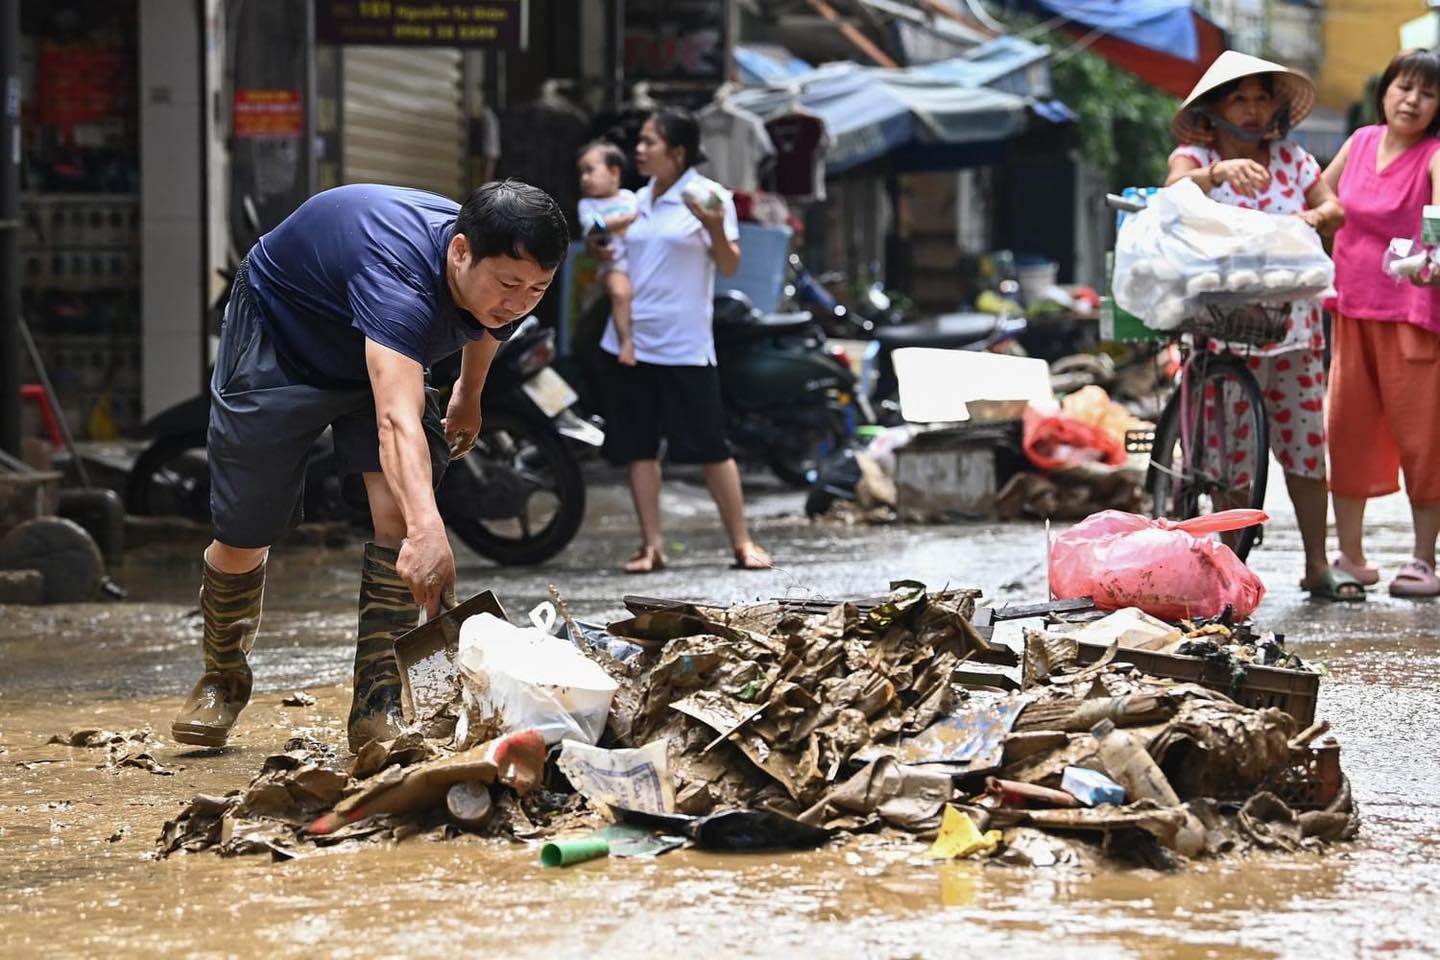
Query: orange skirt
x=1384 y=409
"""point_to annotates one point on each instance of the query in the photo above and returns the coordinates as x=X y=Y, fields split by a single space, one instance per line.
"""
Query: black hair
x=507 y=218
x=1421 y=65
x=612 y=156
x=679 y=128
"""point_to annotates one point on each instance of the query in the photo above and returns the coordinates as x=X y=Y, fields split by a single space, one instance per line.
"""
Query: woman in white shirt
x=662 y=377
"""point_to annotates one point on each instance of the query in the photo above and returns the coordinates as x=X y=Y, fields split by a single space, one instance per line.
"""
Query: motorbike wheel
x=171 y=478
x=518 y=497
x=814 y=434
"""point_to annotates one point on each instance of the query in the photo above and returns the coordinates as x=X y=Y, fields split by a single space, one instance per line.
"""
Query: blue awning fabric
x=870 y=112
x=1008 y=64
x=760 y=63
x=1164 y=25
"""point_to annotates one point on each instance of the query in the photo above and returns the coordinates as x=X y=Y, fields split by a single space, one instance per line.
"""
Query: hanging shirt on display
x=737 y=143
x=800 y=143
x=541 y=139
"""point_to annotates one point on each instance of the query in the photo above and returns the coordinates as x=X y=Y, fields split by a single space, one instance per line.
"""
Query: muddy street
x=77 y=838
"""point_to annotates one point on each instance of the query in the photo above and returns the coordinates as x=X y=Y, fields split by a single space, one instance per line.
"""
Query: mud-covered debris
x=118 y=834
x=298 y=699
x=138 y=757
x=304 y=797
x=95 y=738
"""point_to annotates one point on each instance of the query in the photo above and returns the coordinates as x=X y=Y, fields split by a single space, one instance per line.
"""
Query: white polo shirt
x=674 y=277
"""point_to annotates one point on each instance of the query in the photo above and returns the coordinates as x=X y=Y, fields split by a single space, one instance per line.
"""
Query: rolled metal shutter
x=402 y=118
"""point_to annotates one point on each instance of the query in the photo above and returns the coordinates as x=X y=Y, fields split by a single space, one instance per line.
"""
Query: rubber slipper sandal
x=1337 y=586
x=752 y=557
x=1415 y=579
x=1368 y=576
x=645 y=560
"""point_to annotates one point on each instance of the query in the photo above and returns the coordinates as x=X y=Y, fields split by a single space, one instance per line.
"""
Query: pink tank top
x=1379 y=207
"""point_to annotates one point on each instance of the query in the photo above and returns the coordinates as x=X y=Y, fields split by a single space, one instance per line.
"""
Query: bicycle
x=1210 y=450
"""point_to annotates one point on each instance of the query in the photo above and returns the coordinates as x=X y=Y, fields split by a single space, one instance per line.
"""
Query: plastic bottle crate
x=1294 y=691
x=1312 y=780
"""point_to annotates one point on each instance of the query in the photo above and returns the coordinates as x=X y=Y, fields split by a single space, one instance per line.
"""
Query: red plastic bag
x=1053 y=441
x=1169 y=569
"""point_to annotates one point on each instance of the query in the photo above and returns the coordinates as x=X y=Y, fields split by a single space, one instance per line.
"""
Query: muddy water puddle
x=77 y=879
x=75 y=840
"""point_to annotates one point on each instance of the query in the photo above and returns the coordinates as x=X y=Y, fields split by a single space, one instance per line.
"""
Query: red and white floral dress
x=1292 y=372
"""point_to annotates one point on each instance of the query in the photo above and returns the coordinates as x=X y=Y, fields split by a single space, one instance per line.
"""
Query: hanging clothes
x=738 y=145
x=542 y=139
x=800 y=142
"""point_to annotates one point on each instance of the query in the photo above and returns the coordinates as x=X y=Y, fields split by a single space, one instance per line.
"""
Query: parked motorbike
x=517 y=498
x=788 y=400
x=872 y=311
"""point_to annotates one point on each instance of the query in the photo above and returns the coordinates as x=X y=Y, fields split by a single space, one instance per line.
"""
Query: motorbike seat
x=950 y=331
x=761 y=325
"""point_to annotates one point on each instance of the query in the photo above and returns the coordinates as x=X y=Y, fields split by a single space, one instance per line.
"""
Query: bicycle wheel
x=1212 y=446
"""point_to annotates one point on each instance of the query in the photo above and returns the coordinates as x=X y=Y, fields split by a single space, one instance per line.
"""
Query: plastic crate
x=1294 y=691
x=1312 y=780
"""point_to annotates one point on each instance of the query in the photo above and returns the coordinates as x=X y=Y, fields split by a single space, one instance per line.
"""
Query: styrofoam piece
x=936 y=384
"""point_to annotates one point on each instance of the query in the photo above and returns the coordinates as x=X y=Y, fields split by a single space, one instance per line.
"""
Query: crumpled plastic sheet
x=1215 y=748
x=909 y=798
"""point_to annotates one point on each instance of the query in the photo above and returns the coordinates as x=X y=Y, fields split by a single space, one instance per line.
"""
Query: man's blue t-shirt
x=361 y=262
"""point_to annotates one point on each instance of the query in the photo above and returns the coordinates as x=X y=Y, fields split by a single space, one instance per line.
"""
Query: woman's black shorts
x=650 y=400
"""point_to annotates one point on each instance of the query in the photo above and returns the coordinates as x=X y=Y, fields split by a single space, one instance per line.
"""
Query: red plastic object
x=35 y=393
x=1171 y=570
x=1053 y=441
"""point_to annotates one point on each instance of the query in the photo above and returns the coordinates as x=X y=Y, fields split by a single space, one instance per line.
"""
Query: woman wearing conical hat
x=1233 y=131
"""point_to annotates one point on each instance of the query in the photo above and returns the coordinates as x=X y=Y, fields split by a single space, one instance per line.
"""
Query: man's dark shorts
x=264 y=420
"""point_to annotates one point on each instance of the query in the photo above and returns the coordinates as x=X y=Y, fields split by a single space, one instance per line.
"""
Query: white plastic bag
x=1185 y=250
x=525 y=678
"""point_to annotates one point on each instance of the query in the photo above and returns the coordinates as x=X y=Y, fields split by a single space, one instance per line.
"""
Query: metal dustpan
x=429 y=675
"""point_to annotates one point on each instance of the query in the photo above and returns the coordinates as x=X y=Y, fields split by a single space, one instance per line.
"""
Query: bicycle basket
x=1255 y=324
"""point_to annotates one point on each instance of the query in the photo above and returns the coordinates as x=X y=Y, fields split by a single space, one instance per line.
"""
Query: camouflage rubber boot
x=230 y=604
x=387 y=609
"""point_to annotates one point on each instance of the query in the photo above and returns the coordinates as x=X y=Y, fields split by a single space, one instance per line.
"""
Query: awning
x=1008 y=64
x=870 y=112
x=761 y=63
x=1164 y=25
x=1163 y=42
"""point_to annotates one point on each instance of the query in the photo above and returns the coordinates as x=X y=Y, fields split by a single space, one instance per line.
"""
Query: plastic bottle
x=1131 y=766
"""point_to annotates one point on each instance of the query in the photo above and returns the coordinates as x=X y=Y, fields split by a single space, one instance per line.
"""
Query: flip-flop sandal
x=1337 y=586
x=1368 y=576
x=645 y=560
x=752 y=557
x=1415 y=579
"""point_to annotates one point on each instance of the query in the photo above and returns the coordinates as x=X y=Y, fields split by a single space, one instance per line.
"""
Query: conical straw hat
x=1291 y=88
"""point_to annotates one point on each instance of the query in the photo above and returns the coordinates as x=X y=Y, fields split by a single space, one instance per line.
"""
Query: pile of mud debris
x=791 y=722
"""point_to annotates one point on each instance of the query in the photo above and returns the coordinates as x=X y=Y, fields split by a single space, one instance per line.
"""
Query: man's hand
x=461 y=423
x=627 y=353
x=427 y=565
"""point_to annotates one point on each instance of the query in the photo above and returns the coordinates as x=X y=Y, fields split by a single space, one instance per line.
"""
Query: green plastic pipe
x=562 y=853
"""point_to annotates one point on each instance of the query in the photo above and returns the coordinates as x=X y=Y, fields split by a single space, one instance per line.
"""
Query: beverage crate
x=1294 y=691
x=1312 y=779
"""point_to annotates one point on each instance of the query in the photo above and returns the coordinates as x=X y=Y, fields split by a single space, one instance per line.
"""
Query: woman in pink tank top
x=1385 y=372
